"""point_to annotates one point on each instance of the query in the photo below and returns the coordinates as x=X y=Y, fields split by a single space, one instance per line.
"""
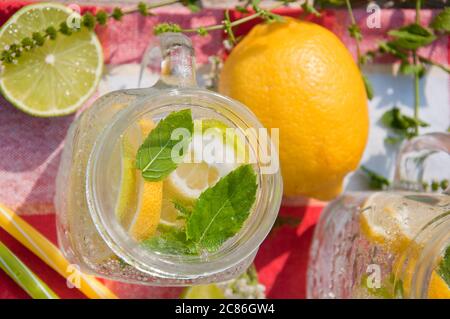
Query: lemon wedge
x=393 y=220
x=139 y=202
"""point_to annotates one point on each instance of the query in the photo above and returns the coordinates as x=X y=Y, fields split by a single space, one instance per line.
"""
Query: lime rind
x=211 y=291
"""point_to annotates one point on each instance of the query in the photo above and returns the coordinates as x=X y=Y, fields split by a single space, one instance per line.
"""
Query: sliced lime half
x=57 y=78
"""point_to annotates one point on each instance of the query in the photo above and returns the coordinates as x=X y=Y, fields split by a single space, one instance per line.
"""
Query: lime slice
x=128 y=190
x=203 y=292
x=57 y=78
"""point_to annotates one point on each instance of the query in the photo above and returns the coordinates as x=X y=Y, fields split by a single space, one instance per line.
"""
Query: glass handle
x=409 y=168
x=173 y=57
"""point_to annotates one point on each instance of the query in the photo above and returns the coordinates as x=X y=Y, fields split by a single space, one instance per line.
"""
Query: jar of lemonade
x=392 y=244
x=169 y=185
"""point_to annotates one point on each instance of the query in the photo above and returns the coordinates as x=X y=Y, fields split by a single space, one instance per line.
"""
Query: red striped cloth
x=30 y=149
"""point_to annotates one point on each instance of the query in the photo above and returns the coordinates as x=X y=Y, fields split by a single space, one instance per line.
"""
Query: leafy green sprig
x=400 y=125
x=404 y=44
x=355 y=32
x=226 y=24
x=378 y=182
x=444 y=266
x=88 y=20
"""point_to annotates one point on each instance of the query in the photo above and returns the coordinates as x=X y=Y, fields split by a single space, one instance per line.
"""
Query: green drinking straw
x=23 y=276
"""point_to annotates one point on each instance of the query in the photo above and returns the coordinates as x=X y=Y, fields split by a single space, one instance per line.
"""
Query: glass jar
x=88 y=232
x=387 y=244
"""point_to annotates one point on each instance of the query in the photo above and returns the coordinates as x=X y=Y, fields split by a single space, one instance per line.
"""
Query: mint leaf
x=221 y=210
x=444 y=267
x=309 y=9
x=401 y=124
x=170 y=241
x=376 y=181
x=407 y=68
x=355 y=32
x=183 y=211
x=412 y=37
x=154 y=156
x=442 y=21
x=389 y=48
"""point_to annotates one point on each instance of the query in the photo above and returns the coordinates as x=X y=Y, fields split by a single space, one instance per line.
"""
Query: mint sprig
x=218 y=215
x=442 y=21
x=444 y=267
x=154 y=157
x=221 y=210
x=170 y=241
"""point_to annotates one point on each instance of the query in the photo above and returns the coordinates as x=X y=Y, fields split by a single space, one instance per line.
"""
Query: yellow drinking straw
x=51 y=255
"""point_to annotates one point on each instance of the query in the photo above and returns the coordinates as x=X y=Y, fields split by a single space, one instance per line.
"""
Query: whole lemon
x=299 y=77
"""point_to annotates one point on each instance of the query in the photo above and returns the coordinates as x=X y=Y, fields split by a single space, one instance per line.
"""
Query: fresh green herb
x=290 y=221
x=411 y=37
x=154 y=157
x=434 y=186
x=404 y=126
x=166 y=27
x=122 y=263
x=183 y=210
x=193 y=5
x=143 y=9
x=64 y=29
x=444 y=184
x=89 y=20
x=442 y=21
x=170 y=241
x=101 y=17
x=218 y=214
x=444 y=266
x=355 y=32
x=407 y=68
x=221 y=210
x=241 y=9
x=389 y=48
x=376 y=181
x=368 y=86
x=228 y=28
x=309 y=9
x=51 y=32
x=117 y=14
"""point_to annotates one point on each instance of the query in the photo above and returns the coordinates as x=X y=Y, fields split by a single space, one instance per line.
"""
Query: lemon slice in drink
x=393 y=219
x=57 y=78
x=210 y=157
x=139 y=202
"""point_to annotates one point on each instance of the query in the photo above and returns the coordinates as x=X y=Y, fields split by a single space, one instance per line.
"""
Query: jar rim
x=241 y=246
